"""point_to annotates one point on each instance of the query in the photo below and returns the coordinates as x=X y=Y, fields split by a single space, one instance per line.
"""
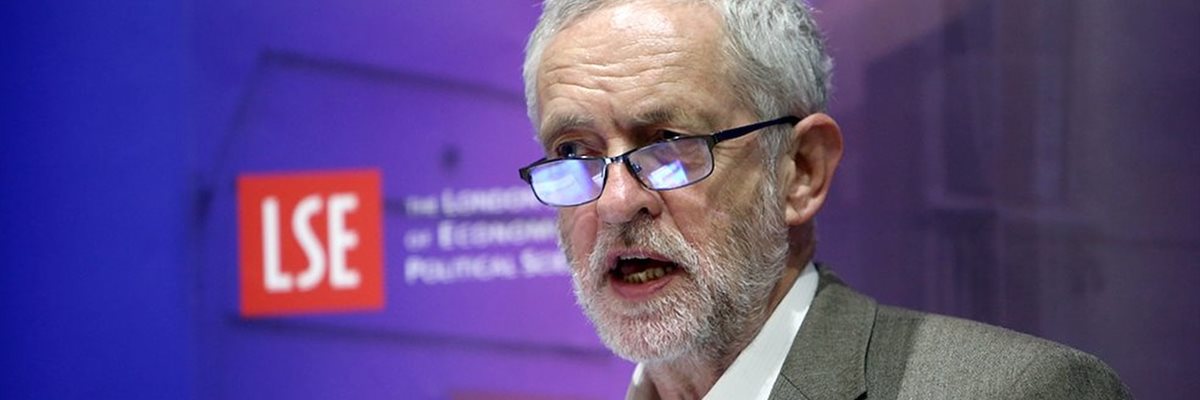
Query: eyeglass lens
x=659 y=166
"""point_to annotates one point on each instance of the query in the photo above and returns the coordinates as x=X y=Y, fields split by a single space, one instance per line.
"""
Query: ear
x=807 y=170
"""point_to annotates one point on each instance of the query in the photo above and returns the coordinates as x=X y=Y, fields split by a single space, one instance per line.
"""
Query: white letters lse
x=341 y=240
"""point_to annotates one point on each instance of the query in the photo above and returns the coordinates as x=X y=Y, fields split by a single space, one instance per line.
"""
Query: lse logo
x=310 y=242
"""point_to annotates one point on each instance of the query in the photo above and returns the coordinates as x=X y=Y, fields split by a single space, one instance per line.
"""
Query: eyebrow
x=559 y=123
x=702 y=123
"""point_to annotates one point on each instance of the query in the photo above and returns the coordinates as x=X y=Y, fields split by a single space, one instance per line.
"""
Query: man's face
x=672 y=273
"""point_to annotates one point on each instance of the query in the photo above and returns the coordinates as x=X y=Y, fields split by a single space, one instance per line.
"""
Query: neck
x=692 y=376
x=687 y=378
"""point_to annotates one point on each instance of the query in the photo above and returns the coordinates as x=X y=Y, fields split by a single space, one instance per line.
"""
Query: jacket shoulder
x=1065 y=373
x=919 y=355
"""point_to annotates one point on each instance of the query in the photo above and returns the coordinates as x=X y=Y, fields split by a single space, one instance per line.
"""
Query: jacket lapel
x=827 y=358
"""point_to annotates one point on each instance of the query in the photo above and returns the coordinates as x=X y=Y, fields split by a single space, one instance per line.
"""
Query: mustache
x=642 y=233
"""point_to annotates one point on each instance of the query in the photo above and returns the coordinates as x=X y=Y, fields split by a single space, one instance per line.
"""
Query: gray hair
x=776 y=52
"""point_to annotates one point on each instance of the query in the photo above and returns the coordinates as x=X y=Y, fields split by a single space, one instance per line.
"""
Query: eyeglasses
x=664 y=165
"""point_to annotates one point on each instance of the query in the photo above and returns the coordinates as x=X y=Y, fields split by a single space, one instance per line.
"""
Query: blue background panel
x=1024 y=163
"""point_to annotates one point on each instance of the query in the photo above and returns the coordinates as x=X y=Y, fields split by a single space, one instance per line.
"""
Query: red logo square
x=310 y=242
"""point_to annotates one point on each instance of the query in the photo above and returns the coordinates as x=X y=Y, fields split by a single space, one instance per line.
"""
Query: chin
x=645 y=341
x=663 y=328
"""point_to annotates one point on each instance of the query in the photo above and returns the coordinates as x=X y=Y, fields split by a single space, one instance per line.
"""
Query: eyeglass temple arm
x=745 y=130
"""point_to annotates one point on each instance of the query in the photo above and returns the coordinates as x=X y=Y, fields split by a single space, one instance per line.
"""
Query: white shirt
x=753 y=373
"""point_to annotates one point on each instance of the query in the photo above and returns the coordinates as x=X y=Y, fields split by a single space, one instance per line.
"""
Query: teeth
x=647 y=275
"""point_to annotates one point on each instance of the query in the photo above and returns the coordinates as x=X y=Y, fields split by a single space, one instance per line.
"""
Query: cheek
x=577 y=227
x=694 y=215
x=704 y=215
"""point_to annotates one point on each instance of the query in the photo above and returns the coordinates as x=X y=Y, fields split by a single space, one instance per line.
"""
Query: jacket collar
x=828 y=358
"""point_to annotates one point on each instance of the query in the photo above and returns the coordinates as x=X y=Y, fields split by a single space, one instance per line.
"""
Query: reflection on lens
x=673 y=164
x=668 y=176
x=566 y=182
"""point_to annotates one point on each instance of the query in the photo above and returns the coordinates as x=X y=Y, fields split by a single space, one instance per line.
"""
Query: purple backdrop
x=1022 y=163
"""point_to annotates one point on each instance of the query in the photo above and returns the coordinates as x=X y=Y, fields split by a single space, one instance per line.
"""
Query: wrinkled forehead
x=636 y=46
x=635 y=28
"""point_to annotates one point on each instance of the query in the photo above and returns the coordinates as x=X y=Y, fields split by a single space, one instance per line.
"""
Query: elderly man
x=688 y=152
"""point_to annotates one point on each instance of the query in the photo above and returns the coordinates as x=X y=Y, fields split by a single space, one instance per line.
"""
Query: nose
x=624 y=197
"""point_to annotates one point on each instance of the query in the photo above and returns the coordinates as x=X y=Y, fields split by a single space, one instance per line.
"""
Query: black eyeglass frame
x=711 y=140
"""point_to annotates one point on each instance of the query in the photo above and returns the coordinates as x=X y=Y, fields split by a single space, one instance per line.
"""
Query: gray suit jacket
x=851 y=348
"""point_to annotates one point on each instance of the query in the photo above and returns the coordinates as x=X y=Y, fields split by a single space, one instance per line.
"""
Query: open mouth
x=637 y=269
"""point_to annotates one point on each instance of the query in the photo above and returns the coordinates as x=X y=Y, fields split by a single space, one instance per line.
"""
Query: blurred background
x=1025 y=163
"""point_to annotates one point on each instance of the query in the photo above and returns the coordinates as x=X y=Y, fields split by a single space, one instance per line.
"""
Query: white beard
x=712 y=309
